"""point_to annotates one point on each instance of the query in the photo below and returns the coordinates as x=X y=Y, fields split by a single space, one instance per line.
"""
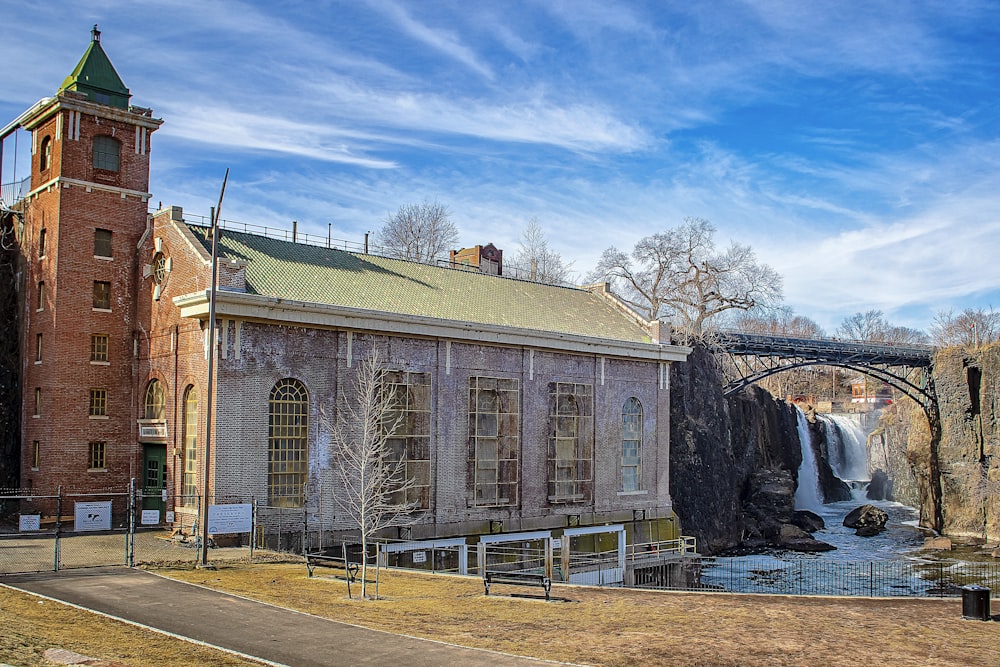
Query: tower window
x=38 y=401
x=99 y=347
x=38 y=348
x=155 y=401
x=36 y=455
x=45 y=154
x=102 y=295
x=106 y=153
x=102 y=243
x=41 y=243
x=41 y=295
x=98 y=402
x=97 y=456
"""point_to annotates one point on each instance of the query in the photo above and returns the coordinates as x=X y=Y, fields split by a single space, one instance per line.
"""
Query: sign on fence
x=150 y=517
x=92 y=516
x=224 y=519
x=29 y=522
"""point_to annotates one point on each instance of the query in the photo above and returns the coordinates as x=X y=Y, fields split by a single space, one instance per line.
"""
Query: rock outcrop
x=733 y=462
x=955 y=481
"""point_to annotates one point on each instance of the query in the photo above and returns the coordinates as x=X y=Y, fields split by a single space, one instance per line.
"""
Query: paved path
x=252 y=628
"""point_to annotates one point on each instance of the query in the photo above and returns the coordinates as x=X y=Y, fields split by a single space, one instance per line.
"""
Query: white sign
x=29 y=522
x=150 y=517
x=92 y=516
x=170 y=516
x=419 y=556
x=223 y=519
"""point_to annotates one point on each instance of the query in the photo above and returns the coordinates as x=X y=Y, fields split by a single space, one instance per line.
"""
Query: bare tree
x=534 y=259
x=972 y=328
x=371 y=478
x=679 y=273
x=872 y=326
x=778 y=322
x=418 y=232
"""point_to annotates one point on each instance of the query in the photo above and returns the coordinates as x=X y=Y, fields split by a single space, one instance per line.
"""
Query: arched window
x=45 y=154
x=287 y=453
x=107 y=151
x=189 y=484
x=631 y=445
x=154 y=401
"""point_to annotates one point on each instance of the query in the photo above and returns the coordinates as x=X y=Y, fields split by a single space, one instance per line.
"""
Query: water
x=807 y=493
x=847 y=448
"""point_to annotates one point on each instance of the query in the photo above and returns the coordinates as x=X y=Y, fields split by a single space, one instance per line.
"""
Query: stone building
x=525 y=406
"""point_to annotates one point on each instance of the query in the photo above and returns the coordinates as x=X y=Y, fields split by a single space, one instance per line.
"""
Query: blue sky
x=854 y=145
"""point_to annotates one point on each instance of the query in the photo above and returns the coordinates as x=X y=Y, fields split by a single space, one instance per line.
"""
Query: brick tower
x=82 y=221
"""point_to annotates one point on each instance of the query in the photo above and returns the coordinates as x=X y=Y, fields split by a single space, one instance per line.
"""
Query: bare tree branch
x=418 y=232
x=369 y=476
x=679 y=274
x=534 y=260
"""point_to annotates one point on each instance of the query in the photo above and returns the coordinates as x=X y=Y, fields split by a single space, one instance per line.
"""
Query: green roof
x=320 y=275
x=95 y=76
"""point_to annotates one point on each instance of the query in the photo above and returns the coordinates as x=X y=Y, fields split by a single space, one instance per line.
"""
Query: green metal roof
x=96 y=76
x=314 y=274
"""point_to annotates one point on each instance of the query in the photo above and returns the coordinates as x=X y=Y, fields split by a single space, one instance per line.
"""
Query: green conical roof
x=95 y=76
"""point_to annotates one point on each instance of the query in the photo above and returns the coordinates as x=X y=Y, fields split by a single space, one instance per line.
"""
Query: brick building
x=524 y=406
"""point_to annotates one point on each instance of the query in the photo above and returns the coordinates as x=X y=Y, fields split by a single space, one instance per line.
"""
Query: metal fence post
x=130 y=525
x=253 y=526
x=55 y=564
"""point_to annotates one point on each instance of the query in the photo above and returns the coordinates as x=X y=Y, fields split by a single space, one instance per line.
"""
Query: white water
x=807 y=493
x=846 y=445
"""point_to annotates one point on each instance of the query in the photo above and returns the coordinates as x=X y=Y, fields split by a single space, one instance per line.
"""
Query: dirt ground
x=624 y=627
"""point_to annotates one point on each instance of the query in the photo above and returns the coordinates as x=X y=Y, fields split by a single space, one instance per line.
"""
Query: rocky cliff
x=733 y=462
x=956 y=480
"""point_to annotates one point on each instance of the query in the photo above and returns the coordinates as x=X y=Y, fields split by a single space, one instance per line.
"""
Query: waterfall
x=807 y=493
x=846 y=447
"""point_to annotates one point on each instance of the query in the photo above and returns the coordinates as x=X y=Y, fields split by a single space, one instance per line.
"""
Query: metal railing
x=889 y=578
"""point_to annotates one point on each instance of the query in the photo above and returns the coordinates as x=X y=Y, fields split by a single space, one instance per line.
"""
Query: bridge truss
x=753 y=357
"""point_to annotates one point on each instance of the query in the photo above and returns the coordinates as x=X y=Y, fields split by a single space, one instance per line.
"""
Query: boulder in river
x=808 y=521
x=794 y=538
x=867 y=520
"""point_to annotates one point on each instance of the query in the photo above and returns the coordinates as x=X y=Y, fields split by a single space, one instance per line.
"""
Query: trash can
x=976 y=603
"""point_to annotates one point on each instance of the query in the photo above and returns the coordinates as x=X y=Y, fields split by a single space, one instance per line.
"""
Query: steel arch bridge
x=754 y=357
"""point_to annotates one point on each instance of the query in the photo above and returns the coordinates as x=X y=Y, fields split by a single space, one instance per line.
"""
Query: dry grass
x=618 y=627
x=30 y=625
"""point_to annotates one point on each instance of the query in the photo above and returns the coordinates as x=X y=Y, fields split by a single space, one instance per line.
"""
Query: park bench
x=321 y=560
x=517 y=579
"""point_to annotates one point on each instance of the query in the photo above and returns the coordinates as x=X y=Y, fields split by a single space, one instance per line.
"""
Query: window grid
x=98 y=402
x=106 y=153
x=153 y=405
x=494 y=425
x=41 y=242
x=287 y=451
x=99 y=347
x=411 y=436
x=102 y=295
x=41 y=295
x=45 y=154
x=102 y=243
x=97 y=455
x=571 y=453
x=189 y=487
x=631 y=445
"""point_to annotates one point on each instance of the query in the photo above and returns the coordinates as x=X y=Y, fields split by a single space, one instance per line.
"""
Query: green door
x=154 y=478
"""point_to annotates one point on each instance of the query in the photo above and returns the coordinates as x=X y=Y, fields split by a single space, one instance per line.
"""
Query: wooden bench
x=321 y=560
x=517 y=579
